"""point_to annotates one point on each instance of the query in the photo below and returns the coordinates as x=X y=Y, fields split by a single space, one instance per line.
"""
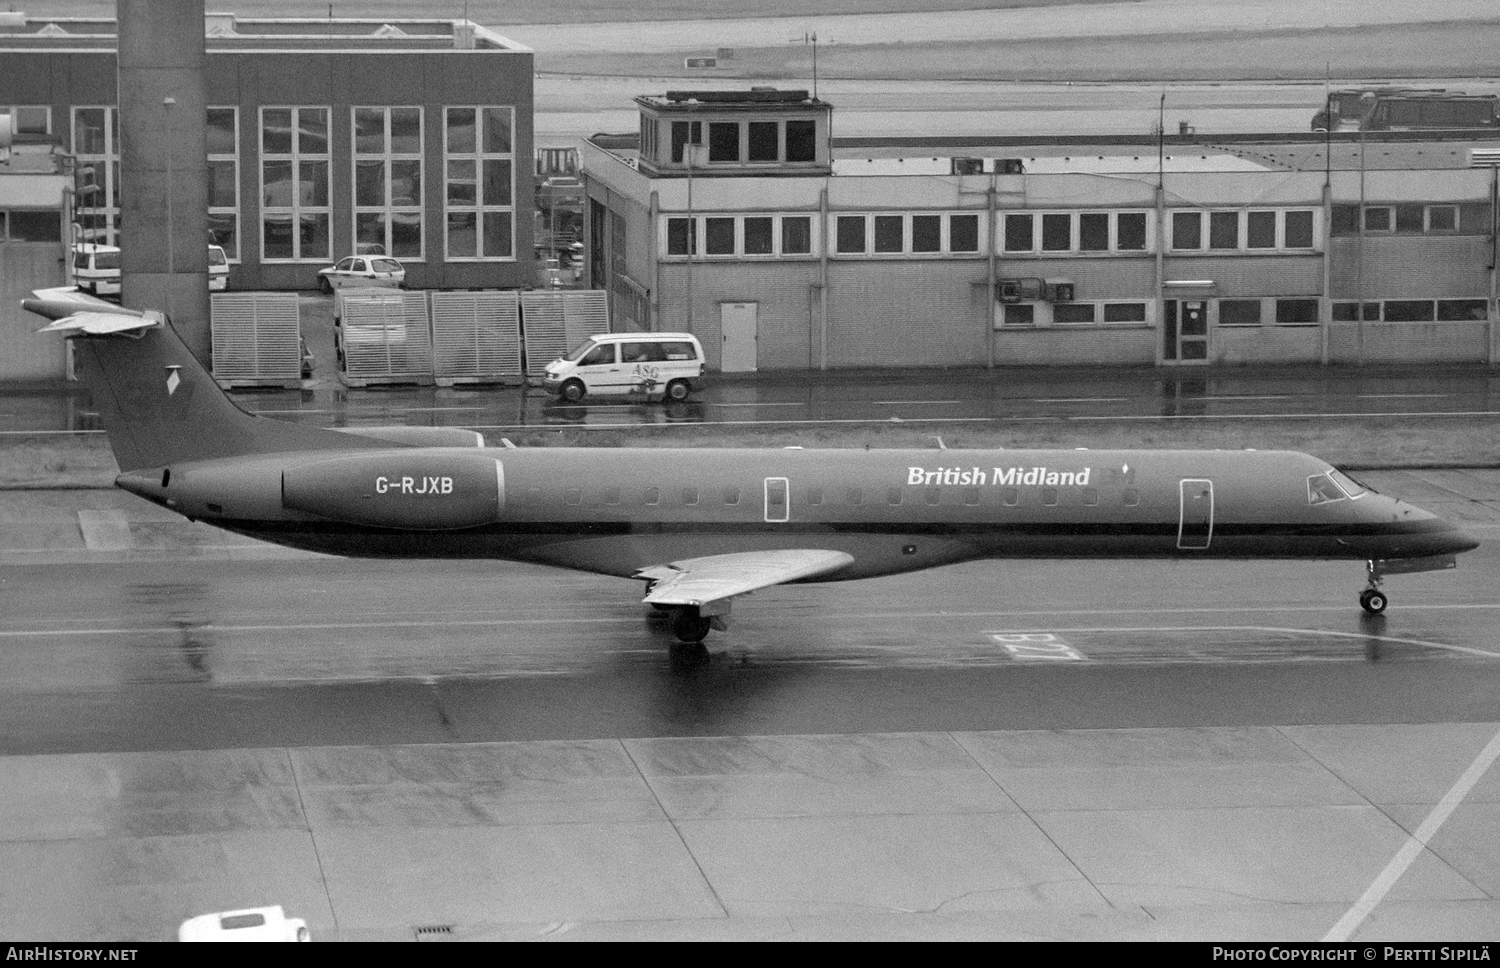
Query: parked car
x=357 y=271
x=218 y=269
x=668 y=365
x=96 y=269
x=250 y=924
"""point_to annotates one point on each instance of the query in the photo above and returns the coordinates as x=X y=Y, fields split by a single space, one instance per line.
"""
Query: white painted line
x=1239 y=396
x=1398 y=640
x=1401 y=396
x=1070 y=399
x=893 y=403
x=1415 y=844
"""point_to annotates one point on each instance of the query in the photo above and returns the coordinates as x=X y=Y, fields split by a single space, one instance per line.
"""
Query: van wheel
x=678 y=390
x=572 y=391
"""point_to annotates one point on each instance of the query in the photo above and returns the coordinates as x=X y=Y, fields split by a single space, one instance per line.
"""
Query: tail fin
x=158 y=403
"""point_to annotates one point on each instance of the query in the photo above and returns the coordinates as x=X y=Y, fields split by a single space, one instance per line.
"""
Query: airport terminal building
x=411 y=135
x=735 y=215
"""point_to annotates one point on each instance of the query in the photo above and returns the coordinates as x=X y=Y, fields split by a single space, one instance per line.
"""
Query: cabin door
x=778 y=500
x=1195 y=519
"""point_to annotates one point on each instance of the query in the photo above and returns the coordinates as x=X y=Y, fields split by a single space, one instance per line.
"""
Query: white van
x=668 y=365
x=250 y=924
x=96 y=269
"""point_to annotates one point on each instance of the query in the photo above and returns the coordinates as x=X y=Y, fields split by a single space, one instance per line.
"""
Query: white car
x=362 y=271
x=218 y=269
x=250 y=924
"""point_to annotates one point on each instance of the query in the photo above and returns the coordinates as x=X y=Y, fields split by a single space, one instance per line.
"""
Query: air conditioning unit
x=968 y=166
x=1059 y=290
x=1010 y=166
x=1009 y=291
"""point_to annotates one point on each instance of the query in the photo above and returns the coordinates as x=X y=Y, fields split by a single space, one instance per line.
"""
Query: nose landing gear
x=1372 y=599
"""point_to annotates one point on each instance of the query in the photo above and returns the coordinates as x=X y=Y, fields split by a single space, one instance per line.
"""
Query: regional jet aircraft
x=703 y=526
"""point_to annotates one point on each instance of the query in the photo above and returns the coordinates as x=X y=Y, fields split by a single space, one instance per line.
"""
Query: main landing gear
x=689 y=625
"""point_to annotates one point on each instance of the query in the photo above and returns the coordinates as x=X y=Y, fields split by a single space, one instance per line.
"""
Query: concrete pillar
x=162 y=92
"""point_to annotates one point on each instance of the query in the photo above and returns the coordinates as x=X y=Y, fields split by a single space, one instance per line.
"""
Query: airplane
x=704 y=526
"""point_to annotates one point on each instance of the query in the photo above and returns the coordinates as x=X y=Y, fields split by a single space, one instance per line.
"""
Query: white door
x=738 y=322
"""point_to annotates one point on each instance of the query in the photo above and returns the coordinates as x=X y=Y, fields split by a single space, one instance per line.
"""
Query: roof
x=226 y=31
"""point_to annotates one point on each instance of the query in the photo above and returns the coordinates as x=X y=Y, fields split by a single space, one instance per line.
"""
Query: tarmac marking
x=1395 y=639
x=1415 y=844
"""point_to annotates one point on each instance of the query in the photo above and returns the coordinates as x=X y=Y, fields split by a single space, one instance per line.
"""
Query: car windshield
x=106 y=260
x=216 y=256
x=385 y=265
x=578 y=353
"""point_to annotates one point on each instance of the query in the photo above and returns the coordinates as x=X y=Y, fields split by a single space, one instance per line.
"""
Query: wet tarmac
x=191 y=721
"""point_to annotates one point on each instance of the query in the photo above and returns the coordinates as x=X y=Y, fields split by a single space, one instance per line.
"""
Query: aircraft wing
x=698 y=581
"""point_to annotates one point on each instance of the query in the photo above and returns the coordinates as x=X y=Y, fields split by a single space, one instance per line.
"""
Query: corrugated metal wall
x=1266 y=344
x=907 y=313
x=1410 y=342
x=24 y=267
x=1042 y=347
x=1410 y=267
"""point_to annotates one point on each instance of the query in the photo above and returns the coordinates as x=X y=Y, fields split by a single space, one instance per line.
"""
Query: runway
x=394 y=750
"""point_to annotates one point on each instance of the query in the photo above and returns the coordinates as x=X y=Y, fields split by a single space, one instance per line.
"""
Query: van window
x=678 y=351
x=600 y=354
x=81 y=260
x=106 y=260
x=641 y=353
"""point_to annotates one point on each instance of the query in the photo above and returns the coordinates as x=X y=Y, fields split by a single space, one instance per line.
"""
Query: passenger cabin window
x=651 y=496
x=611 y=495
x=1321 y=489
x=893 y=495
x=573 y=495
x=1131 y=497
x=814 y=495
x=731 y=495
x=689 y=495
x=1049 y=497
x=1090 y=497
x=971 y=496
x=854 y=496
x=933 y=495
x=1010 y=497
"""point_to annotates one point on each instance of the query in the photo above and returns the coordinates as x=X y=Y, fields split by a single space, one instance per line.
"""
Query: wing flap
x=698 y=581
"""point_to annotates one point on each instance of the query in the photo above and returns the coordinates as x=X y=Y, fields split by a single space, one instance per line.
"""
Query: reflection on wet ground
x=852 y=396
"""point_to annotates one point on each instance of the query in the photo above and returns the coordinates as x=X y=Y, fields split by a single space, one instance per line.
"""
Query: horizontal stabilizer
x=699 y=581
x=98 y=324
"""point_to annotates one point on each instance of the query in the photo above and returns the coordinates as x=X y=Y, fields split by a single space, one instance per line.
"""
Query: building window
x=1130 y=232
x=759 y=238
x=1408 y=310
x=388 y=179
x=1224 y=229
x=96 y=145
x=1239 y=312
x=718 y=236
x=685 y=133
x=1057 y=232
x=890 y=234
x=1296 y=312
x=1299 y=230
x=1187 y=230
x=294 y=184
x=851 y=234
x=681 y=236
x=1450 y=310
x=1379 y=218
x=1125 y=313
x=802 y=141
x=1073 y=314
x=796 y=235
x=724 y=141
x=1442 y=218
x=1018 y=316
x=763 y=143
x=1093 y=232
x=1018 y=233
x=478 y=183
x=19 y=225
x=963 y=233
x=224 y=180
x=927 y=233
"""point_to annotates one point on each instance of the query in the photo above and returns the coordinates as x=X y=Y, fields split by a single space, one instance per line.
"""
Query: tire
x=1373 y=601
x=572 y=391
x=677 y=391
x=689 y=626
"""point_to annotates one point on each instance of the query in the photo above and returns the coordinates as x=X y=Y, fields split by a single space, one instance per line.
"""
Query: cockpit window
x=1351 y=487
x=1321 y=489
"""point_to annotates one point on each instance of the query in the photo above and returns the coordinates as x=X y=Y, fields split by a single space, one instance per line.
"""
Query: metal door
x=1185 y=331
x=778 y=500
x=738 y=323
x=1195 y=518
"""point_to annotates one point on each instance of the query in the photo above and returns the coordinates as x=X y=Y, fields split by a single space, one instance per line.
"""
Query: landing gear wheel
x=689 y=626
x=1372 y=600
x=677 y=391
x=572 y=391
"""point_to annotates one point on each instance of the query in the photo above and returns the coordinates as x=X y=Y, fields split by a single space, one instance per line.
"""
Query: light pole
x=168 y=103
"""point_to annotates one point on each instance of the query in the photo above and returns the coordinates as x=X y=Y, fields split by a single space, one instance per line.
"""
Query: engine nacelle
x=414 y=490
